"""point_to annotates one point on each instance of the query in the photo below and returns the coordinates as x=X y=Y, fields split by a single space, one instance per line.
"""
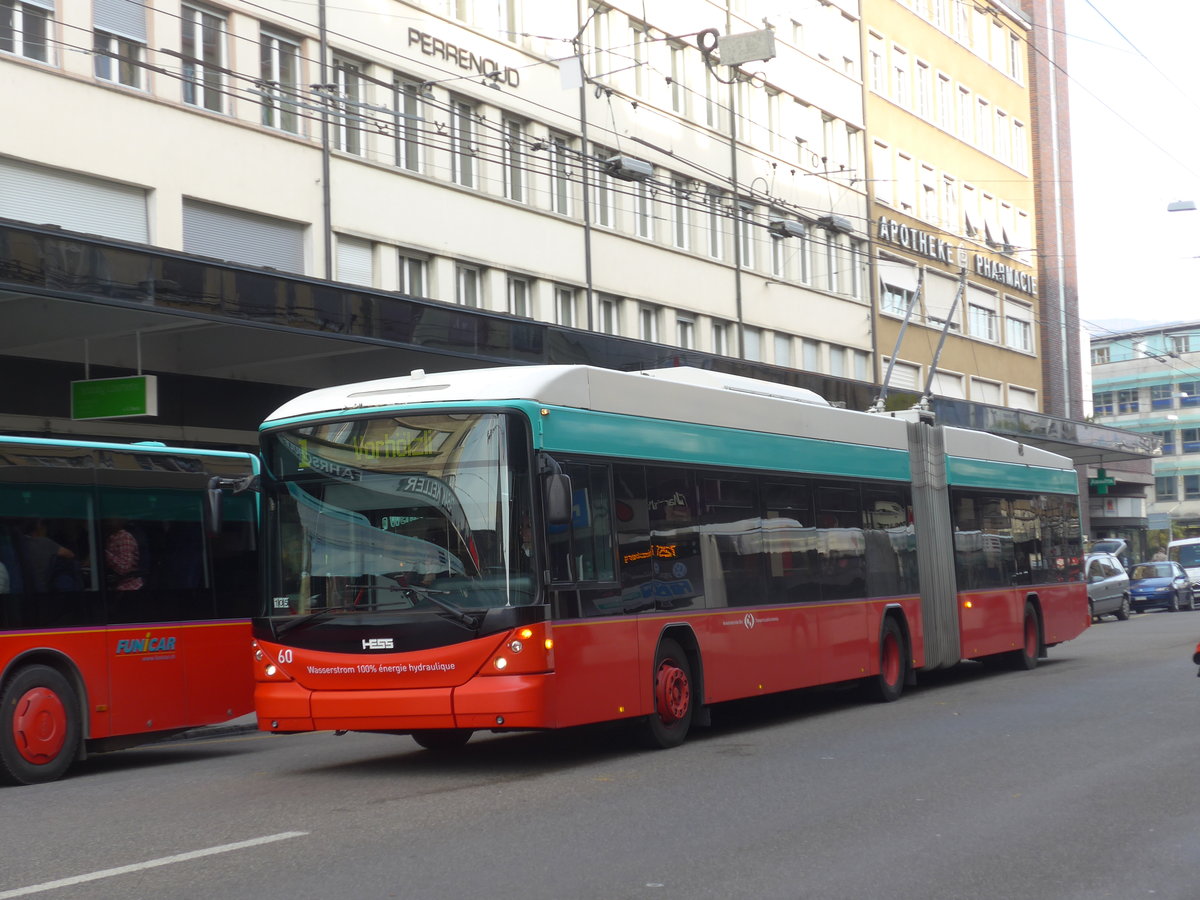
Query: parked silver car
x=1107 y=586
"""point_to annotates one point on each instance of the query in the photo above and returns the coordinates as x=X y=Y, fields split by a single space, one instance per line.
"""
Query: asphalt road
x=1075 y=780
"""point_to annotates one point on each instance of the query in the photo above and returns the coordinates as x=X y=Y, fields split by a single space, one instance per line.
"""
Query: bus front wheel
x=39 y=726
x=674 y=698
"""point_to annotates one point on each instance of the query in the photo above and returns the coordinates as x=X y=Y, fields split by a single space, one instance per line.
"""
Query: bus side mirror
x=216 y=502
x=558 y=499
x=217 y=485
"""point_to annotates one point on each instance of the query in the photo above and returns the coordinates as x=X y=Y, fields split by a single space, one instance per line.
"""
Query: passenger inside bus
x=122 y=555
x=50 y=565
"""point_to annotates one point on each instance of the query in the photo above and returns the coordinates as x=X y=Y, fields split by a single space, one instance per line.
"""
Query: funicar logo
x=148 y=644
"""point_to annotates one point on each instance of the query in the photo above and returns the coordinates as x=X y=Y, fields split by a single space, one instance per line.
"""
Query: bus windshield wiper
x=465 y=619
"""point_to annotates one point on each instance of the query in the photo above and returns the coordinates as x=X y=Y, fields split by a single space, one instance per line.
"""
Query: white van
x=1186 y=552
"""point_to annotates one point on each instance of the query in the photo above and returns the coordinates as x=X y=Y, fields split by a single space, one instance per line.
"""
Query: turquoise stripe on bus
x=567 y=430
x=962 y=472
x=583 y=431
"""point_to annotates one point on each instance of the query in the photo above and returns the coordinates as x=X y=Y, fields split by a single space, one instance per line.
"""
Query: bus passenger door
x=148 y=635
x=595 y=640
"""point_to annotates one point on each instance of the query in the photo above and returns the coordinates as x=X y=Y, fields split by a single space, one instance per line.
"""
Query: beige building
x=948 y=121
x=586 y=164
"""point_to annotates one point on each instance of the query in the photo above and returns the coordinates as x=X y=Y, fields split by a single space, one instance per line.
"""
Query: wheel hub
x=672 y=691
x=39 y=725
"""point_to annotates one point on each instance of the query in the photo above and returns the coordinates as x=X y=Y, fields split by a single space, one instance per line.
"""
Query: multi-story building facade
x=948 y=118
x=586 y=164
x=1148 y=381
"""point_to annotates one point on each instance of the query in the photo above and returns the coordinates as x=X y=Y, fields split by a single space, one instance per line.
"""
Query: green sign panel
x=1101 y=482
x=115 y=398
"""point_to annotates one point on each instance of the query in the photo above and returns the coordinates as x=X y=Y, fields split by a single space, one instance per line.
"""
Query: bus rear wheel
x=39 y=726
x=444 y=739
x=674 y=699
x=888 y=685
x=1031 y=641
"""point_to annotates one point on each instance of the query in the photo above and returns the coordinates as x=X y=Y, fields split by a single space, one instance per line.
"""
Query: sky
x=1135 y=143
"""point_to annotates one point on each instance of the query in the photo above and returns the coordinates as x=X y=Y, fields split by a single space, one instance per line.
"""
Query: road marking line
x=149 y=864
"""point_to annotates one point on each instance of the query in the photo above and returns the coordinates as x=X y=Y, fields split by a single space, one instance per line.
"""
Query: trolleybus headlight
x=271 y=670
x=258 y=654
x=501 y=662
x=516 y=646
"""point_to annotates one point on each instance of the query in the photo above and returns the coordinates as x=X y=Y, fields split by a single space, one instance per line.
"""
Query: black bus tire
x=674 y=697
x=40 y=726
x=1026 y=657
x=888 y=685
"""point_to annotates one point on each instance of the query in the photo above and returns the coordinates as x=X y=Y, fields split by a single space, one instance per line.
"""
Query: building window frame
x=27 y=33
x=468 y=285
x=648 y=323
x=119 y=60
x=560 y=174
x=1166 y=488
x=681 y=218
x=414 y=274
x=520 y=293
x=1191 y=487
x=409 y=104
x=565 y=302
x=514 y=160
x=346 y=132
x=203 y=32
x=463 y=165
x=1128 y=401
x=279 y=68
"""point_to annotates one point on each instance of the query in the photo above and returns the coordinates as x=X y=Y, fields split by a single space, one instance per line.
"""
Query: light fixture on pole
x=836 y=223
x=783 y=228
x=628 y=168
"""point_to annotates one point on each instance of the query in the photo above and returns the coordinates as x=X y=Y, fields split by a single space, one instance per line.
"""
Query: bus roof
x=680 y=393
x=140 y=447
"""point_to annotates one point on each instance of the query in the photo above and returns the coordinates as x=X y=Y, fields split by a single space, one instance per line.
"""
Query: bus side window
x=45 y=546
x=583 y=550
x=890 y=543
x=790 y=542
x=677 y=574
x=235 y=575
x=841 y=543
x=731 y=541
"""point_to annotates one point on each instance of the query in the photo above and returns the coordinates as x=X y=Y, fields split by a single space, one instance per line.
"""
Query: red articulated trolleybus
x=547 y=546
x=123 y=618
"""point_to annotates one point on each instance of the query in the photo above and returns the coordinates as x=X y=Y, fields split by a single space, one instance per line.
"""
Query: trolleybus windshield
x=400 y=518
